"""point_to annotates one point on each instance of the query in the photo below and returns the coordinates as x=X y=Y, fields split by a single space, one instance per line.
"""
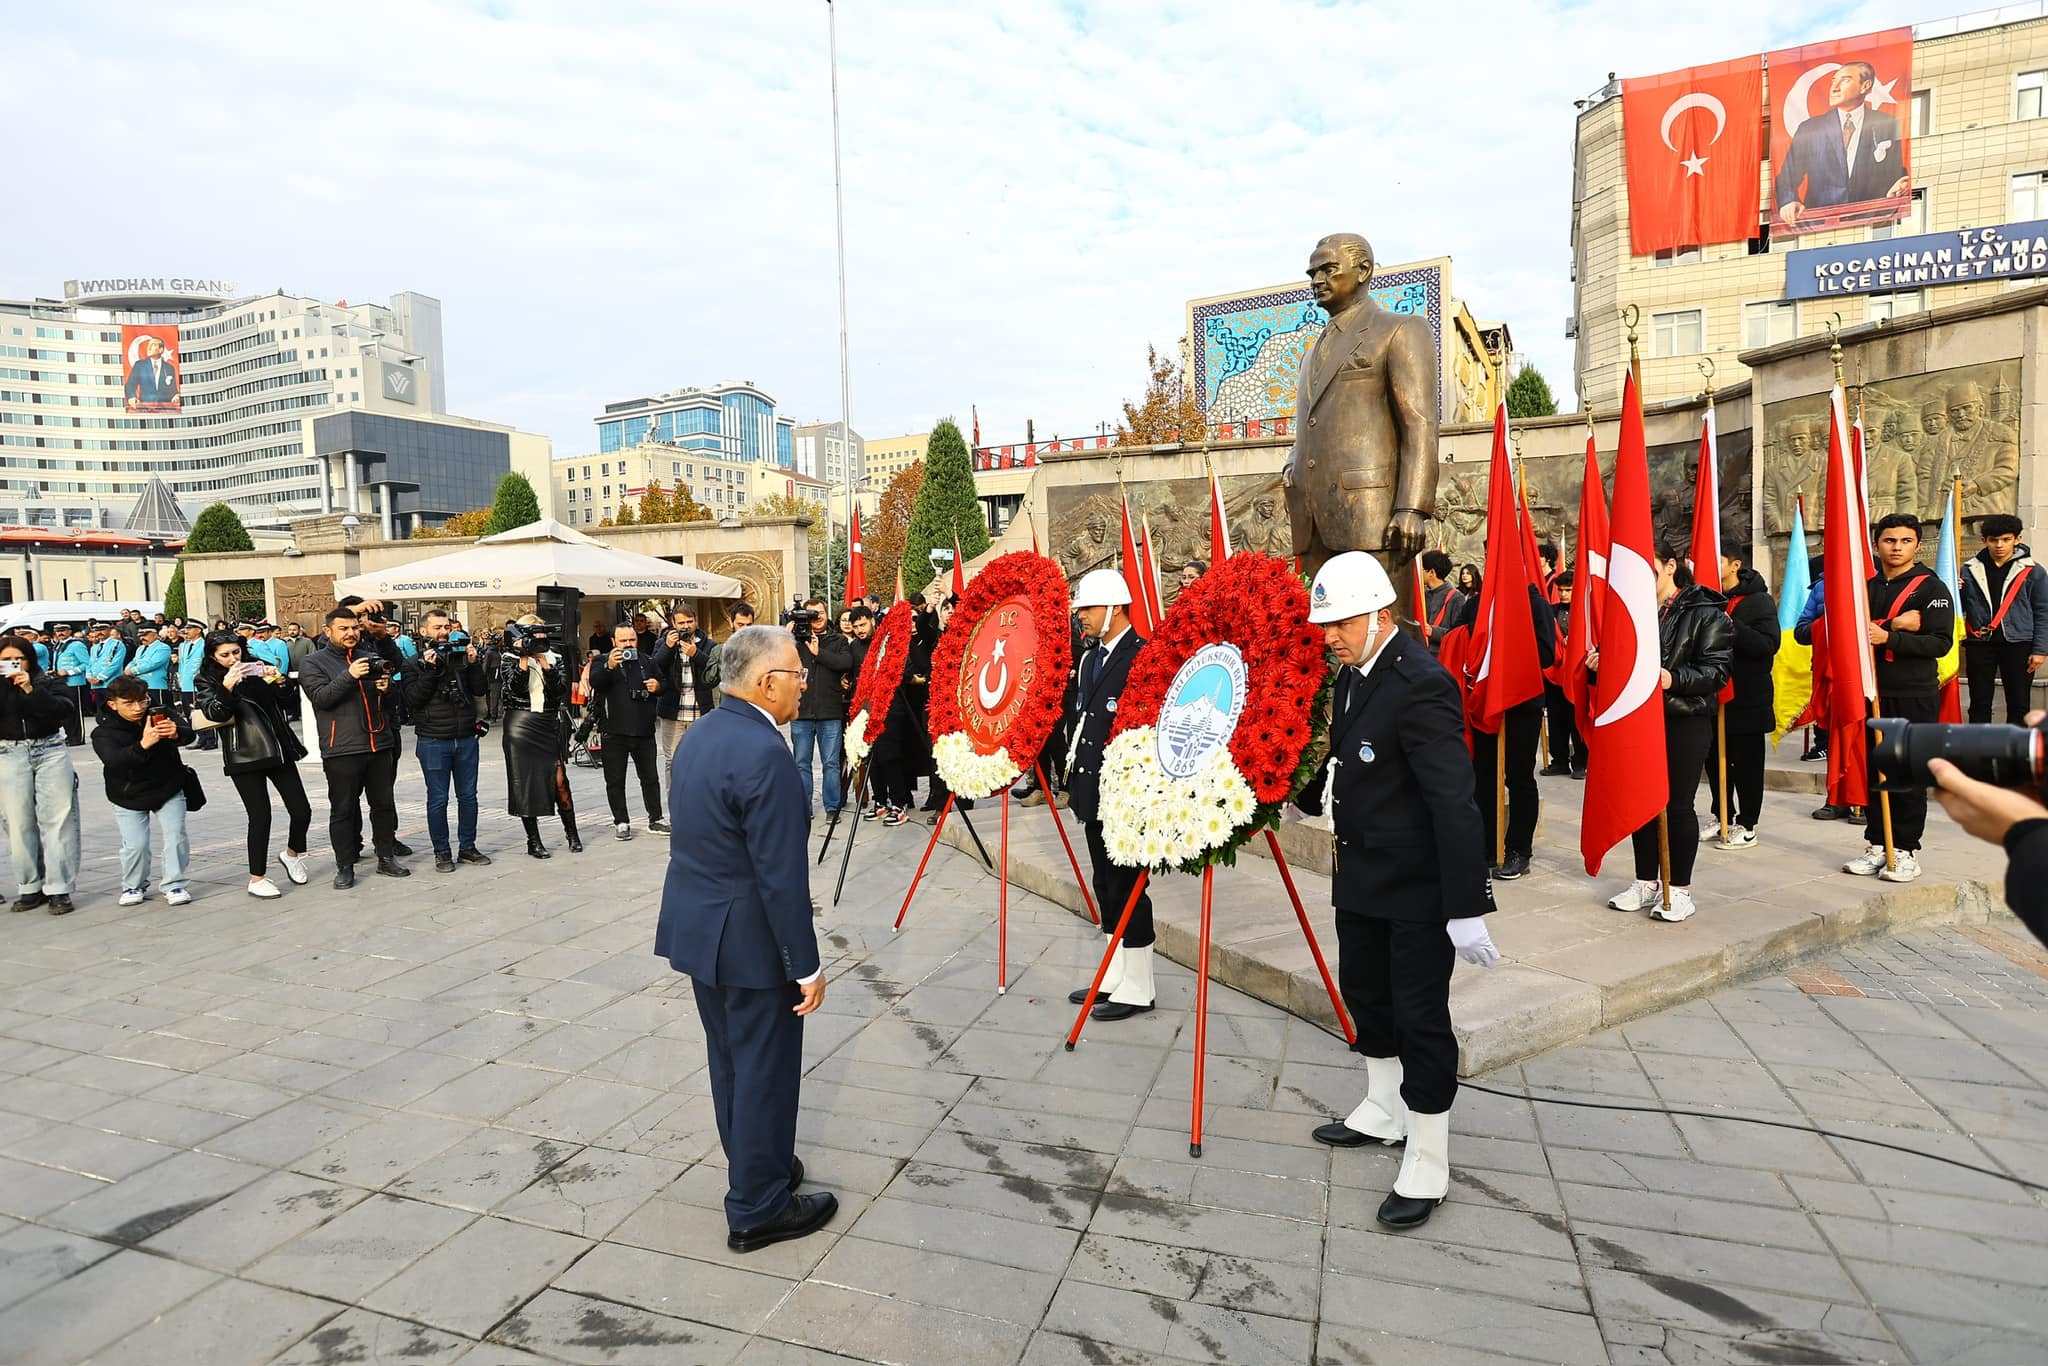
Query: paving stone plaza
x=465 y=1117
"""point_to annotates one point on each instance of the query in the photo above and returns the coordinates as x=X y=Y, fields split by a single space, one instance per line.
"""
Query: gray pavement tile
x=105 y=1072
x=946 y=1087
x=1938 y=1059
x=1302 y=1161
x=360 y=1248
x=239 y=1228
x=1964 y=1344
x=307 y=1046
x=568 y=1048
x=1104 y=1136
x=487 y=1034
x=88 y=1151
x=389 y=1146
x=48 y=1099
x=1589 y=1071
x=1661 y=1212
x=1375 y=1254
x=1053 y=1099
x=1012 y=1196
x=1693 y=1030
x=284 y=1135
x=1049 y=1348
x=1679 y=1301
x=768 y=1352
x=145 y=1205
x=483 y=1169
x=1978 y=1252
x=1604 y=1131
x=222 y=1095
x=1716 y=1083
x=180 y=1126
x=357 y=1335
x=915 y=1112
x=1953 y=1293
x=1674 y=1176
x=229 y=1322
x=938 y=1279
x=1340 y=1346
x=1154 y=1323
x=731 y=1297
x=1731 y=1143
x=679 y=1128
x=661 y=1064
x=271 y=1069
x=488 y=1093
x=1490 y=1116
x=580 y=1109
x=1104 y=1065
x=575 y=1328
x=993 y=1239
x=27 y=1190
x=33 y=1257
x=1454 y=1317
x=478 y=1276
x=69 y=1320
x=1886 y=1167
x=592 y=1193
x=857 y=1132
x=1464 y=1220
x=402 y=1079
x=1043 y=1161
x=169 y=1050
x=1508 y=1190
x=1713 y=1261
x=856 y=1324
x=1249 y=1235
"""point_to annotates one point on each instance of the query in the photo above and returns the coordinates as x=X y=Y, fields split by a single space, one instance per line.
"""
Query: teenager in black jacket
x=1749 y=709
x=1696 y=642
x=138 y=750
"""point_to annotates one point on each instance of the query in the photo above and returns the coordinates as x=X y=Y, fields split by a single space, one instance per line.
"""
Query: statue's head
x=1338 y=270
x=1965 y=406
x=1932 y=418
x=1098 y=527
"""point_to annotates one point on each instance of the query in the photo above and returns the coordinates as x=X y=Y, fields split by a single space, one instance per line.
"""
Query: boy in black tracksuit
x=1523 y=725
x=1749 y=708
x=1912 y=625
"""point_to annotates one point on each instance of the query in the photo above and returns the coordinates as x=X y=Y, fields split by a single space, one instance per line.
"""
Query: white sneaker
x=131 y=897
x=1869 y=863
x=1908 y=869
x=178 y=896
x=294 y=866
x=1738 y=838
x=1681 y=906
x=1637 y=896
x=265 y=888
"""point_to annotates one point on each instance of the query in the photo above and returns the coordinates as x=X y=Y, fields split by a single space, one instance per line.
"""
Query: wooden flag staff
x=1632 y=315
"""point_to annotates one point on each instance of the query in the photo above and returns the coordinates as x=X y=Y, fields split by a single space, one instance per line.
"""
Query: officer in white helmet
x=1103 y=600
x=1409 y=880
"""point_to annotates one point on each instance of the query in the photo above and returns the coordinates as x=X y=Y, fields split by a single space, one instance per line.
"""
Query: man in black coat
x=1103 y=600
x=1409 y=880
x=1748 y=703
x=629 y=686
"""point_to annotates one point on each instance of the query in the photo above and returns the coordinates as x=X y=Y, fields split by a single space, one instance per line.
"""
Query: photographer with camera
x=349 y=685
x=628 y=687
x=686 y=659
x=441 y=691
x=820 y=724
x=2006 y=811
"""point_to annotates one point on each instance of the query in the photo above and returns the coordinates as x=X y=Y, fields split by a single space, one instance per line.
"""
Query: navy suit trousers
x=755 y=1044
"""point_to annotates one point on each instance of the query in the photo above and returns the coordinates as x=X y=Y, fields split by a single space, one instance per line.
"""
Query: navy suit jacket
x=152 y=383
x=736 y=907
x=1816 y=156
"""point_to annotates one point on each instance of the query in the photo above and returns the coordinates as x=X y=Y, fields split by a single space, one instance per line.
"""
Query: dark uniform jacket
x=1907 y=662
x=1754 y=614
x=1409 y=842
x=1697 y=644
x=1094 y=713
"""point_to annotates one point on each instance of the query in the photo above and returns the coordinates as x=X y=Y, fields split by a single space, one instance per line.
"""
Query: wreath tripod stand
x=856 y=790
x=1002 y=874
x=1116 y=940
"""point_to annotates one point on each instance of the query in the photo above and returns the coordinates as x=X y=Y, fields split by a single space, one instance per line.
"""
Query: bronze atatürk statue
x=1363 y=472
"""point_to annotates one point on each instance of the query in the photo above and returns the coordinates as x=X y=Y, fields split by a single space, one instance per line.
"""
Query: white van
x=18 y=616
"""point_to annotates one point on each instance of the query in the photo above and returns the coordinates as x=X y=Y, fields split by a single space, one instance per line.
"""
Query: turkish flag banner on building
x=1627 y=777
x=1694 y=140
x=1841 y=118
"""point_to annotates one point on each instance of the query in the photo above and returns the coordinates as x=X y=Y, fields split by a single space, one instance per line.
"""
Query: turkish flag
x=1155 y=597
x=959 y=567
x=1219 y=523
x=1627 y=782
x=1504 y=636
x=1845 y=586
x=1135 y=576
x=856 y=566
x=1694 y=141
x=1705 y=554
x=1589 y=583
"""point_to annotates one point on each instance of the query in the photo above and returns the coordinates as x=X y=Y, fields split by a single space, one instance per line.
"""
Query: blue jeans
x=827 y=735
x=39 y=804
x=439 y=759
x=134 y=826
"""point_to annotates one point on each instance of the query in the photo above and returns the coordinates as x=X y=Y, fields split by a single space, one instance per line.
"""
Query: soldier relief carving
x=1920 y=432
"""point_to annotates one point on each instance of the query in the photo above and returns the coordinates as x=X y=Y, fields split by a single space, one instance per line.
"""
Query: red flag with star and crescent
x=1694 y=141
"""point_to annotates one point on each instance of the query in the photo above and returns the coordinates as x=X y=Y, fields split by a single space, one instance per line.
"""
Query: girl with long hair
x=247 y=701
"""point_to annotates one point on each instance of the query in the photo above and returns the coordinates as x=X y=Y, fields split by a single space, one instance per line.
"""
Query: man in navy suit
x=1845 y=156
x=1103 y=600
x=153 y=382
x=736 y=916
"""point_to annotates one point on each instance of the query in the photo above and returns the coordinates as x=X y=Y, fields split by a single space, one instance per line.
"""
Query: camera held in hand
x=801 y=621
x=2004 y=756
x=532 y=644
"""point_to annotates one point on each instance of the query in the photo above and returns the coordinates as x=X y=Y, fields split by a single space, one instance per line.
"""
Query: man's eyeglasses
x=802 y=675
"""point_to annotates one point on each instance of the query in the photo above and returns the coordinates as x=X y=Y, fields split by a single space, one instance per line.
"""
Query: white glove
x=1470 y=938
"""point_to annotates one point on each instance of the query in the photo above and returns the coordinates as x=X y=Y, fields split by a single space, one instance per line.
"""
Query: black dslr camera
x=800 y=620
x=2004 y=756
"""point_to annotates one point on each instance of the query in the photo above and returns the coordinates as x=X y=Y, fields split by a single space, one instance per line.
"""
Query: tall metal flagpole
x=845 y=382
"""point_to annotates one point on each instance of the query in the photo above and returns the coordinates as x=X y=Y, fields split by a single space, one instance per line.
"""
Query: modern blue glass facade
x=733 y=421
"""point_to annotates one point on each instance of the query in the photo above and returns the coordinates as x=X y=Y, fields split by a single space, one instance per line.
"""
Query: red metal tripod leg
x=1102 y=971
x=1201 y=1013
x=1067 y=845
x=1336 y=1001
x=1003 y=905
x=930 y=844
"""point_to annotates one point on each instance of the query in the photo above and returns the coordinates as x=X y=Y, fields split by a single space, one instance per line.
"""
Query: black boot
x=389 y=866
x=534 y=848
x=569 y=829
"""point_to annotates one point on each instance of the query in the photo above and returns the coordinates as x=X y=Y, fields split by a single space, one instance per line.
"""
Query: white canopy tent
x=543 y=554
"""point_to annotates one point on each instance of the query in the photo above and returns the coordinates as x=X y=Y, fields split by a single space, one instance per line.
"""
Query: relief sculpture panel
x=1086 y=517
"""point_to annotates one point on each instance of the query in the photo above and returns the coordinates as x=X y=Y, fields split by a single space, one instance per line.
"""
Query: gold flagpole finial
x=1707 y=370
x=1630 y=317
x=1835 y=347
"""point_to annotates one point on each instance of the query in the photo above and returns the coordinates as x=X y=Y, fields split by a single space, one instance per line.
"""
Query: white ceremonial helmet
x=1349 y=585
x=1102 y=588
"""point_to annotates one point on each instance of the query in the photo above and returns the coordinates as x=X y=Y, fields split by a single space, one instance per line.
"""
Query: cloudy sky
x=613 y=197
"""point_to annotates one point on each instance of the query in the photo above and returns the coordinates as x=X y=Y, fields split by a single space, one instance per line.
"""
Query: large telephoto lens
x=2005 y=756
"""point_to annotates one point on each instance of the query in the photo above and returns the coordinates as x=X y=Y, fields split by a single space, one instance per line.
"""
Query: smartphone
x=10 y=666
x=157 y=714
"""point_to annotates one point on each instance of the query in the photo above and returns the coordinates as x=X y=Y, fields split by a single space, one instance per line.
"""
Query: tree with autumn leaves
x=883 y=540
x=1167 y=413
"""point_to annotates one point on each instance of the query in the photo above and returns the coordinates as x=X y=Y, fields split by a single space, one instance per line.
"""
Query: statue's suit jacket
x=1365 y=429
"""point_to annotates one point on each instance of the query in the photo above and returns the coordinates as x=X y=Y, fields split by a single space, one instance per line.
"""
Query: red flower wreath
x=1026 y=724
x=1256 y=603
x=882 y=672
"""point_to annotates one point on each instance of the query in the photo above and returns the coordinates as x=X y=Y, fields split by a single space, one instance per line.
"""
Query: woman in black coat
x=257 y=748
x=904 y=753
x=1749 y=714
x=534 y=690
x=1697 y=646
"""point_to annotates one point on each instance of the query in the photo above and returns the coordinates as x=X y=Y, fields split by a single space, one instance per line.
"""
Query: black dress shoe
x=401 y=848
x=472 y=855
x=443 y=863
x=29 y=901
x=535 y=849
x=59 y=904
x=1338 y=1134
x=1579 y=772
x=1857 y=813
x=575 y=844
x=796 y=1174
x=1400 y=1211
x=802 y=1215
x=1515 y=867
x=1080 y=994
x=1117 y=1010
x=1555 y=771
x=1830 y=812
x=391 y=867
x=344 y=876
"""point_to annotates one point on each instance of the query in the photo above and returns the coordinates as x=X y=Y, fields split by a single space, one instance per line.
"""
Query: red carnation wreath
x=999 y=672
x=1236 y=655
x=880 y=673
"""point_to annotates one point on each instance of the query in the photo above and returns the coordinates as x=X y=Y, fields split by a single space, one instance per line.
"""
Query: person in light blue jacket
x=191 y=653
x=265 y=645
x=73 y=658
x=152 y=664
x=109 y=655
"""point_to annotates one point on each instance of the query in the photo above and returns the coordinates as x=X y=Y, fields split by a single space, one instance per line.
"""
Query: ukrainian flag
x=1948 y=568
x=1792 y=667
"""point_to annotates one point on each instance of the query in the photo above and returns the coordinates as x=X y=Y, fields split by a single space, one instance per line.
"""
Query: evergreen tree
x=837 y=560
x=946 y=507
x=515 y=505
x=1529 y=395
x=174 y=593
x=217 y=531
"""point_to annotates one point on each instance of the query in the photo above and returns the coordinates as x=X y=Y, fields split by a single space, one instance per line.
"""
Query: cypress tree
x=945 y=506
x=515 y=505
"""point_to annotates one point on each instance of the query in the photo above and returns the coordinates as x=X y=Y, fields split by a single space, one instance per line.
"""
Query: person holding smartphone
x=137 y=741
x=38 y=786
x=258 y=749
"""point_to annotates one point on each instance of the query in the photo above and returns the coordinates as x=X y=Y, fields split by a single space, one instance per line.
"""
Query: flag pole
x=1720 y=709
x=845 y=381
x=1631 y=315
x=1873 y=706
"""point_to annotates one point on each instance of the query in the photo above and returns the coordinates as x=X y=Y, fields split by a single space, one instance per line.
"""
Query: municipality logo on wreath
x=1201 y=709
